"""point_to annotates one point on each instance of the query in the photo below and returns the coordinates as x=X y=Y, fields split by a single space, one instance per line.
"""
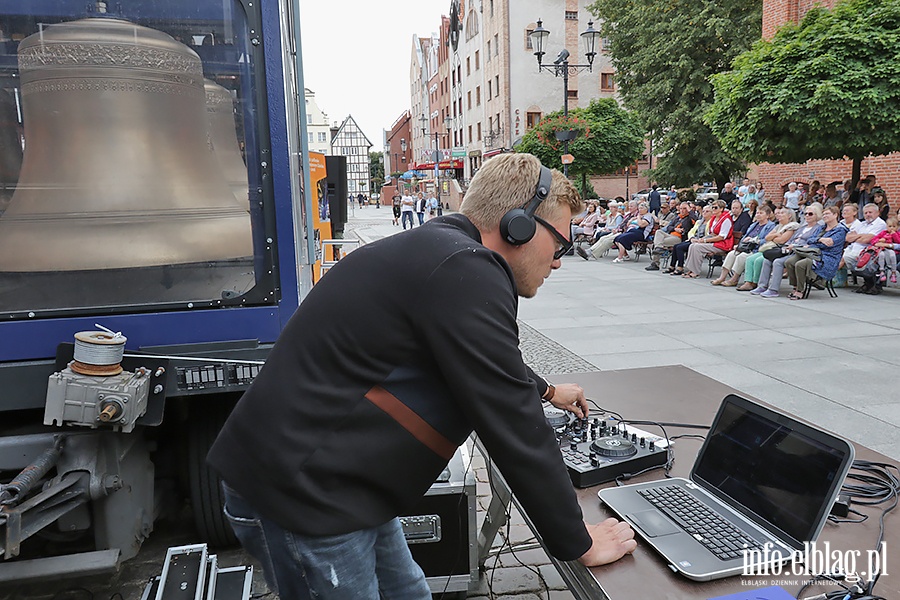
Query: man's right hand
x=612 y=539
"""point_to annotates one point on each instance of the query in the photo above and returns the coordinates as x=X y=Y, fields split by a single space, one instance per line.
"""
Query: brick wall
x=773 y=176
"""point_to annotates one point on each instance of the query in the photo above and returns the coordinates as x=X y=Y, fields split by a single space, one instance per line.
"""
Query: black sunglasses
x=563 y=245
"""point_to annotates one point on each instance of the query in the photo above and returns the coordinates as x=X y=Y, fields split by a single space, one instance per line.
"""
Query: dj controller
x=596 y=450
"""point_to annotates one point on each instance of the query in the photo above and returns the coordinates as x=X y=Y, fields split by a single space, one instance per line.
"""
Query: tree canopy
x=664 y=52
x=608 y=139
x=826 y=88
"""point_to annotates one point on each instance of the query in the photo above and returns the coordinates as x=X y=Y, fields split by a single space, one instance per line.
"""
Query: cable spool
x=98 y=353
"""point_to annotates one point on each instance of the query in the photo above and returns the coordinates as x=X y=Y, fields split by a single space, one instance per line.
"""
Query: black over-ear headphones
x=518 y=226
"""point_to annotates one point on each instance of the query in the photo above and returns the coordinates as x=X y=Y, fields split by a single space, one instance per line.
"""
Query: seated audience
x=879 y=199
x=586 y=223
x=821 y=270
x=638 y=229
x=888 y=243
x=718 y=240
x=679 y=251
x=784 y=229
x=773 y=268
x=667 y=212
x=671 y=234
x=752 y=207
x=861 y=233
x=750 y=196
x=733 y=266
x=607 y=239
x=741 y=219
x=831 y=196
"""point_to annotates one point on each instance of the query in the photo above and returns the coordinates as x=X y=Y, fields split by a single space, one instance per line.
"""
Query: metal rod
x=565 y=66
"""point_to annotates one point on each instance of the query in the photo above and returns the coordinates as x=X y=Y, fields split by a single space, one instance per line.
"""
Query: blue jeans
x=404 y=216
x=421 y=216
x=369 y=563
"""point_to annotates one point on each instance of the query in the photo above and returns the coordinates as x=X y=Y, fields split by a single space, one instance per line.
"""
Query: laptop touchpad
x=653 y=523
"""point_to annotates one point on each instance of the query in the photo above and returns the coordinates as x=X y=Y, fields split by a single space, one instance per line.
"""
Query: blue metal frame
x=38 y=339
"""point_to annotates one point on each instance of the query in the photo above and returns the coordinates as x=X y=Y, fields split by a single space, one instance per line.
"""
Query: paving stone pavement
x=832 y=361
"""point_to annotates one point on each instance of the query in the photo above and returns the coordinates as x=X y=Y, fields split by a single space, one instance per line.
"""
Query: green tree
x=664 y=52
x=608 y=138
x=376 y=171
x=826 y=88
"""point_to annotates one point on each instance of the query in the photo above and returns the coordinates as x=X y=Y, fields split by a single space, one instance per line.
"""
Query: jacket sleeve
x=539 y=381
x=478 y=353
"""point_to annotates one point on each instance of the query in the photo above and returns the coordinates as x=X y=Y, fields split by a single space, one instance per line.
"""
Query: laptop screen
x=785 y=472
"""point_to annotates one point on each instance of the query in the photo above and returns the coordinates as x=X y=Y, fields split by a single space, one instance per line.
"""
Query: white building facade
x=502 y=92
x=351 y=142
x=318 y=130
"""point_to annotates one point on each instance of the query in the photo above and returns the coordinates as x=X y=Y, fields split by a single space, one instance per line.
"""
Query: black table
x=678 y=394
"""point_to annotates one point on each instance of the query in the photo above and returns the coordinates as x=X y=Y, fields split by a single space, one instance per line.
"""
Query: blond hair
x=509 y=181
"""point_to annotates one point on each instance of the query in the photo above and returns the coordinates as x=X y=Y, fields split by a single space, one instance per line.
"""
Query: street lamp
x=561 y=67
x=448 y=123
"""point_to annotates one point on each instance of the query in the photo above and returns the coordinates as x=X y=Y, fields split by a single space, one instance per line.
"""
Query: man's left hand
x=570 y=397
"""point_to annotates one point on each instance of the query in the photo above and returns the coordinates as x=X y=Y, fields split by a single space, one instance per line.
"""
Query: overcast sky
x=356 y=57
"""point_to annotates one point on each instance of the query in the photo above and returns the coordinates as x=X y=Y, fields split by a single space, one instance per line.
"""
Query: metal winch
x=93 y=390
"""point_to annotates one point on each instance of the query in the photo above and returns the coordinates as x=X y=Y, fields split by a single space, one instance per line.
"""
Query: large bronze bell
x=222 y=137
x=117 y=172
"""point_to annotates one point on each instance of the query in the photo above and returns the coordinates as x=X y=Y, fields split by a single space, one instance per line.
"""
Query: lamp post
x=448 y=122
x=562 y=67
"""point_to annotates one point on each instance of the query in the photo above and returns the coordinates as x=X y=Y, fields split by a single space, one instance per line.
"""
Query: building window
x=496 y=85
x=468 y=66
x=604 y=44
x=310 y=137
x=471 y=25
x=477 y=64
x=469 y=99
x=487 y=56
x=470 y=134
x=532 y=119
x=492 y=8
x=528 y=33
x=572 y=15
x=498 y=122
x=489 y=90
x=607 y=82
x=478 y=97
x=322 y=136
x=496 y=45
x=479 y=131
x=573 y=94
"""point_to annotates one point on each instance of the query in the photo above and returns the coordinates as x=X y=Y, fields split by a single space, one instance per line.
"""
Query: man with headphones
x=357 y=411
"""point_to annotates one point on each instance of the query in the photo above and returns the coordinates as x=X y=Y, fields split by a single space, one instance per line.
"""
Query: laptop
x=761 y=477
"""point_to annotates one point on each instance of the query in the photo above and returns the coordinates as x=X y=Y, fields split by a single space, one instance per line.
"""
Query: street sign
x=567 y=159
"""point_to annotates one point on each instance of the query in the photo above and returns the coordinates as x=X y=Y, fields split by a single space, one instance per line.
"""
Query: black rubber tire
x=206 y=420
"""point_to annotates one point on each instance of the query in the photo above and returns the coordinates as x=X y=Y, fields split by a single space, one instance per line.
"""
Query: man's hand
x=570 y=397
x=612 y=539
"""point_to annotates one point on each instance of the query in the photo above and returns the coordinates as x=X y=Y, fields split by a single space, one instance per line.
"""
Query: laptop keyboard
x=718 y=535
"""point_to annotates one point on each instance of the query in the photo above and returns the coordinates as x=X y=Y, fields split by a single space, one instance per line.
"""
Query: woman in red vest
x=718 y=240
